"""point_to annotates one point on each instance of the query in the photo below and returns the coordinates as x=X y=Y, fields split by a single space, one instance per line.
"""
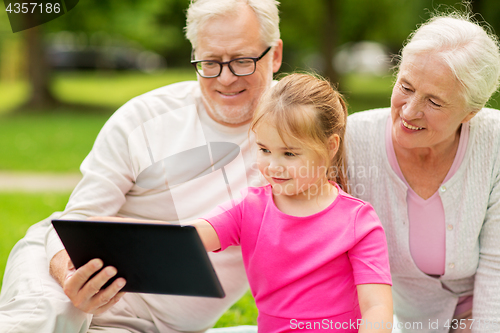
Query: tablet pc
x=153 y=258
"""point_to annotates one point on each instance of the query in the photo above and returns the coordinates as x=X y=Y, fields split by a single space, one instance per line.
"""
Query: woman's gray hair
x=471 y=52
x=200 y=11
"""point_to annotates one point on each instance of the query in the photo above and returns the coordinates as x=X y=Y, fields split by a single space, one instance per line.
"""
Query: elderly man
x=145 y=164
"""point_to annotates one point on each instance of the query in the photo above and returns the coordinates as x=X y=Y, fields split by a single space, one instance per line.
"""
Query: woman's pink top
x=303 y=271
x=426 y=217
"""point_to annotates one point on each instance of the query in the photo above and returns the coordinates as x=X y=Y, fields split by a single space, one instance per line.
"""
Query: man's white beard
x=232 y=114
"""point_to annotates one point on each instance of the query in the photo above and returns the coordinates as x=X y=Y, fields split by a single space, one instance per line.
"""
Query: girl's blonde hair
x=307 y=108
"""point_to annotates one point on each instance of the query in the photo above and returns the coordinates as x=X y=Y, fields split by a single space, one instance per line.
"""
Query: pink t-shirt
x=305 y=269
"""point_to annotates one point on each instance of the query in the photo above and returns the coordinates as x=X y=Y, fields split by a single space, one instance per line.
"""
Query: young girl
x=316 y=257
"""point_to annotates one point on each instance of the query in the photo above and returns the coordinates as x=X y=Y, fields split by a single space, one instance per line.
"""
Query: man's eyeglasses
x=240 y=66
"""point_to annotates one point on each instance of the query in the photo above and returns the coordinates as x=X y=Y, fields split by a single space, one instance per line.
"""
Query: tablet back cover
x=153 y=258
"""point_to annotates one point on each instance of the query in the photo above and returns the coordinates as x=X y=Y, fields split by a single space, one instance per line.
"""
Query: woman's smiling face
x=427 y=104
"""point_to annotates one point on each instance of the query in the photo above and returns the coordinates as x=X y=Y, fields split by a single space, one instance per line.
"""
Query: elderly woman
x=430 y=165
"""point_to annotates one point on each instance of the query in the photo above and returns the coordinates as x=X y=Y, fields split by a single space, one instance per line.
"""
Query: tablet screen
x=153 y=258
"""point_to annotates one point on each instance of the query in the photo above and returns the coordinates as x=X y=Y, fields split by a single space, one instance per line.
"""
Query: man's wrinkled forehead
x=234 y=35
x=230 y=19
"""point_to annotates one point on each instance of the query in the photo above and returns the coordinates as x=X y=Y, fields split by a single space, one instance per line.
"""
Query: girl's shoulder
x=351 y=201
x=361 y=215
x=256 y=193
x=249 y=199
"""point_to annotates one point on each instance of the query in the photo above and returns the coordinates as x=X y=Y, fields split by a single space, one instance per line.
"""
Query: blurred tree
x=39 y=73
x=489 y=11
x=313 y=30
x=11 y=62
x=155 y=25
x=330 y=37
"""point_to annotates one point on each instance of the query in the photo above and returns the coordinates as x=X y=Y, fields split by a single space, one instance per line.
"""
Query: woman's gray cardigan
x=471 y=200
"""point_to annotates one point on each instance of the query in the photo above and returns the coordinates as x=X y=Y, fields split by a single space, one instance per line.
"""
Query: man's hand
x=86 y=294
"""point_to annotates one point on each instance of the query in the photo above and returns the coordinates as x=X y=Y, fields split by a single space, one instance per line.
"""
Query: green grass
x=51 y=142
x=18 y=211
x=12 y=94
x=103 y=89
x=59 y=141
x=111 y=89
x=243 y=312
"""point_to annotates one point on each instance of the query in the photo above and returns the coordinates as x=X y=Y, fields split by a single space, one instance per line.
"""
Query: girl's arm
x=208 y=235
x=375 y=302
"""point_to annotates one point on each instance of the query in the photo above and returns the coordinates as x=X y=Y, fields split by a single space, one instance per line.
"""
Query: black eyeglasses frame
x=228 y=63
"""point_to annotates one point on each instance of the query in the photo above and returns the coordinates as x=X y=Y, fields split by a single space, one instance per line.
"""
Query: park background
x=61 y=81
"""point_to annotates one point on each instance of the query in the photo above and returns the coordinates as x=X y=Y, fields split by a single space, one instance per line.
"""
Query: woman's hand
x=85 y=294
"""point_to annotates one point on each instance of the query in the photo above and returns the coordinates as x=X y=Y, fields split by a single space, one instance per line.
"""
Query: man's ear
x=277 y=55
x=333 y=145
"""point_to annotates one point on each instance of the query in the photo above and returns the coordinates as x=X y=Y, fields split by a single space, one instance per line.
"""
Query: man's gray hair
x=200 y=11
x=471 y=52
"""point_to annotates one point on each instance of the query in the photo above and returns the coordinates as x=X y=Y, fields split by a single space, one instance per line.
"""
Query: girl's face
x=292 y=169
